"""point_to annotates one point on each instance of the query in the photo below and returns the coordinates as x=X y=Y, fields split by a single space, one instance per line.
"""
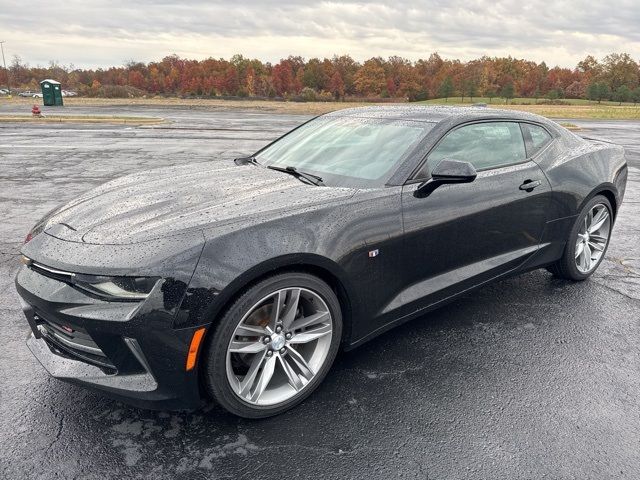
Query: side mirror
x=447 y=171
x=454 y=171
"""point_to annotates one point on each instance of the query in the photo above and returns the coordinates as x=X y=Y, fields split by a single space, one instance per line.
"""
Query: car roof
x=435 y=113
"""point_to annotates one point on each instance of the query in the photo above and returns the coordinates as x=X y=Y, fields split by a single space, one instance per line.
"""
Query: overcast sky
x=103 y=33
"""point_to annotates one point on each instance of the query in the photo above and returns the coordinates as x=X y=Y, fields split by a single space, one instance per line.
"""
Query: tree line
x=614 y=77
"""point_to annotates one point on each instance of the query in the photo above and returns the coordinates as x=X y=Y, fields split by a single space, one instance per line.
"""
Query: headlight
x=104 y=287
x=116 y=288
x=39 y=227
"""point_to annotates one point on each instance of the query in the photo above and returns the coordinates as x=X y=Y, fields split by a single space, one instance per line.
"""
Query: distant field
x=497 y=101
x=590 y=112
x=578 y=109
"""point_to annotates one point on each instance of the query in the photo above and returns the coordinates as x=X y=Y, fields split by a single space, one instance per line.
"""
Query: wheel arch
x=321 y=267
x=607 y=190
x=565 y=266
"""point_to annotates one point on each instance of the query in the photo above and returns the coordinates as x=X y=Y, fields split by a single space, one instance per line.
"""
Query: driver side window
x=484 y=145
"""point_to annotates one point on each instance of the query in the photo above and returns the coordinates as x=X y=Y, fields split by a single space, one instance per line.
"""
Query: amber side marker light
x=25 y=260
x=193 y=348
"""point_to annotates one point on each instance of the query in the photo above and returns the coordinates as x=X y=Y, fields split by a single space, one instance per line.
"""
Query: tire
x=254 y=382
x=572 y=267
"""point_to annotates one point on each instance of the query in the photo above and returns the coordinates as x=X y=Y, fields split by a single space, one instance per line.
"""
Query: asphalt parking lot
x=531 y=377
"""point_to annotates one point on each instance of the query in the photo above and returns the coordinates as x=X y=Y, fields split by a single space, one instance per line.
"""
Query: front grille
x=72 y=342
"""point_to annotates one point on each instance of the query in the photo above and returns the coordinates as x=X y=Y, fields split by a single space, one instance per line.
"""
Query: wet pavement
x=530 y=377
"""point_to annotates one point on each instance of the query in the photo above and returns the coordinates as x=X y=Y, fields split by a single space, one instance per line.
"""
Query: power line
x=5 y=64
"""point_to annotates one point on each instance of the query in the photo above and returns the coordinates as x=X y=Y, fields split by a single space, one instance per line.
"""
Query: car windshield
x=347 y=151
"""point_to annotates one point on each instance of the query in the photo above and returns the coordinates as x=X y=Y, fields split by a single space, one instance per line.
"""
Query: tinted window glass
x=539 y=137
x=484 y=145
x=347 y=151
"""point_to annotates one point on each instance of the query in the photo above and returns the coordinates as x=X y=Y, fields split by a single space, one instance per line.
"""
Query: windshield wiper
x=310 y=177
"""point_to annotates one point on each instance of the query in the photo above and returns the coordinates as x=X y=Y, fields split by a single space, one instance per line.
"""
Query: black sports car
x=239 y=282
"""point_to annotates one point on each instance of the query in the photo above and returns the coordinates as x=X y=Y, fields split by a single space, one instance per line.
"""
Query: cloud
x=100 y=33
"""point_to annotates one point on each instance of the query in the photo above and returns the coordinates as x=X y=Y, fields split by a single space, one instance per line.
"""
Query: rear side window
x=539 y=137
x=484 y=145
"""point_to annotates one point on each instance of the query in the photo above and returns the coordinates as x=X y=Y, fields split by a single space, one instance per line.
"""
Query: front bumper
x=127 y=350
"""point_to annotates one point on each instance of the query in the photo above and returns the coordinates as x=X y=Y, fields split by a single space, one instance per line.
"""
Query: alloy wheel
x=279 y=346
x=593 y=237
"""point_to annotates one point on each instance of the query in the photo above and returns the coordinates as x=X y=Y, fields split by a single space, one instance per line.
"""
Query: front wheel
x=274 y=345
x=587 y=242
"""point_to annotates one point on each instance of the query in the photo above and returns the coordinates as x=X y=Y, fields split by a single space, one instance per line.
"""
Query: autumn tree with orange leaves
x=615 y=77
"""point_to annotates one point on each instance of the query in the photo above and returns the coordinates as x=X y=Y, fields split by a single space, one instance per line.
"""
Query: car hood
x=164 y=202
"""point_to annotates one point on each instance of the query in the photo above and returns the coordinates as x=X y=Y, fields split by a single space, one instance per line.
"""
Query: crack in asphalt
x=374 y=374
x=318 y=450
x=615 y=290
x=60 y=428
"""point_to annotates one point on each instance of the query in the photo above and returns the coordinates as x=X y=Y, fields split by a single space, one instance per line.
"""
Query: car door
x=461 y=235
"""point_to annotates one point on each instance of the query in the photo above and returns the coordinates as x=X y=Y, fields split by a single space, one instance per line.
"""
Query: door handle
x=529 y=185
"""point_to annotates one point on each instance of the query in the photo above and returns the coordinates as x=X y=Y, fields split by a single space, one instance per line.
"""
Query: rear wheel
x=274 y=345
x=588 y=241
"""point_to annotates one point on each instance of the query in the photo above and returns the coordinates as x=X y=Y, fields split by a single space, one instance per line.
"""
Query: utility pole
x=5 y=64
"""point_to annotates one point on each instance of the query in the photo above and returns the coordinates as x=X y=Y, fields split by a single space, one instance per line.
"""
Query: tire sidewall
x=214 y=371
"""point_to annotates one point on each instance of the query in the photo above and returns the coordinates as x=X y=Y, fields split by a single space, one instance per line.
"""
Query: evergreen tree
x=507 y=91
x=446 y=89
x=491 y=93
x=598 y=91
x=470 y=88
x=604 y=91
x=622 y=94
x=592 y=91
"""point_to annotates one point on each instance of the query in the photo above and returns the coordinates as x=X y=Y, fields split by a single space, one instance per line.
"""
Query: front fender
x=230 y=262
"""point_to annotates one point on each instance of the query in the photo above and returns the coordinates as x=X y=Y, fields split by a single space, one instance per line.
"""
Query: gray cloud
x=104 y=33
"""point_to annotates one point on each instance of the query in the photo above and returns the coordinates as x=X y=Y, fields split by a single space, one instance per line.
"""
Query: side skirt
x=545 y=255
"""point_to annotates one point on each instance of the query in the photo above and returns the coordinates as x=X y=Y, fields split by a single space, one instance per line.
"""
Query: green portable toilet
x=51 y=93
